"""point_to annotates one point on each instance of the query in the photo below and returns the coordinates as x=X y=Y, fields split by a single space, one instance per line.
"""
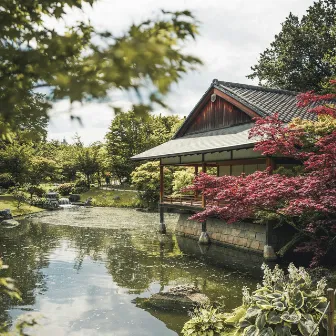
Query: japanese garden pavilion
x=215 y=134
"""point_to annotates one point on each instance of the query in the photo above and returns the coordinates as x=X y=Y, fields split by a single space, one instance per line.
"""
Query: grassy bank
x=111 y=198
x=8 y=202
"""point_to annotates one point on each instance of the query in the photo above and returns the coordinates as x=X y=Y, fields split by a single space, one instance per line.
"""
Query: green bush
x=80 y=190
x=35 y=190
x=182 y=179
x=284 y=304
x=80 y=183
x=65 y=189
x=146 y=180
x=6 y=180
x=80 y=187
x=42 y=202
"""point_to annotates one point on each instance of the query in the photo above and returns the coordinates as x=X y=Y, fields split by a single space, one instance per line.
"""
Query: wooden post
x=196 y=173
x=203 y=197
x=331 y=311
x=196 y=170
x=270 y=163
x=161 y=184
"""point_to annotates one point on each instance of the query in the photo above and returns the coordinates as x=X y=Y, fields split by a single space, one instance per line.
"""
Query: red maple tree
x=306 y=201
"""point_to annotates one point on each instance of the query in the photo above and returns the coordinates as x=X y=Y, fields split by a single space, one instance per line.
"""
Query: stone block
x=261 y=237
x=235 y=232
x=242 y=241
x=250 y=235
x=260 y=228
x=230 y=239
x=249 y=243
x=255 y=245
x=235 y=241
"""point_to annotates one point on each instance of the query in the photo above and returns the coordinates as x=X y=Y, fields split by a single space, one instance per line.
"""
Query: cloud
x=232 y=35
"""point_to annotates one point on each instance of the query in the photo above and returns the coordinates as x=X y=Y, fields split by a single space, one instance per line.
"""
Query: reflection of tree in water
x=135 y=259
x=25 y=250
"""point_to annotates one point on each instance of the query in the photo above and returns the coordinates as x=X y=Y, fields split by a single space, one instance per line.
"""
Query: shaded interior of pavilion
x=226 y=162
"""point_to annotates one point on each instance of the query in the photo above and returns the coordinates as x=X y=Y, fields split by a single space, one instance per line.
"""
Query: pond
x=88 y=270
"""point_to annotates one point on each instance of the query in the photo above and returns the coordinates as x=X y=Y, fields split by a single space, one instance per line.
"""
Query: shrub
x=35 y=190
x=80 y=187
x=80 y=190
x=65 y=188
x=43 y=203
x=146 y=180
x=6 y=180
x=19 y=197
x=80 y=183
x=285 y=304
x=182 y=179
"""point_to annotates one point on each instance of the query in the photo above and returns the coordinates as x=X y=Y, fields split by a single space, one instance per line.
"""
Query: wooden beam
x=236 y=103
x=222 y=163
x=240 y=162
x=161 y=183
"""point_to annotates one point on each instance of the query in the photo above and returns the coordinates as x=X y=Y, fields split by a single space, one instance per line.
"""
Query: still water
x=87 y=271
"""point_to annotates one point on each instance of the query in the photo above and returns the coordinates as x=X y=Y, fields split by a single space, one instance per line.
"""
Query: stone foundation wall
x=242 y=235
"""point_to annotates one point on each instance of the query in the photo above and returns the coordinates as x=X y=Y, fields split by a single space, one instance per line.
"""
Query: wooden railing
x=188 y=200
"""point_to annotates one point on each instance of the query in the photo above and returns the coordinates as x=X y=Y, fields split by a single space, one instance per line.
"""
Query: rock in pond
x=184 y=297
x=9 y=223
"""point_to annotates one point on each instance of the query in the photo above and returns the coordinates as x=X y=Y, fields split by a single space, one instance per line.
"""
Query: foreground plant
x=284 y=305
x=7 y=287
x=205 y=321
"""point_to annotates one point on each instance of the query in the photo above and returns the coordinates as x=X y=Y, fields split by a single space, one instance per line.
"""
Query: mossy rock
x=9 y=223
x=184 y=297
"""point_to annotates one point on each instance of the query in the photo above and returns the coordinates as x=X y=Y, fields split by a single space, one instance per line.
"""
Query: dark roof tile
x=266 y=101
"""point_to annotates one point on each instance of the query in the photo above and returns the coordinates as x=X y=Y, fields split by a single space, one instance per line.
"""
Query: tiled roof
x=230 y=138
x=265 y=101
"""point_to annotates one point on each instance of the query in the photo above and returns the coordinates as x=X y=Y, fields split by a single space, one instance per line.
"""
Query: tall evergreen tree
x=301 y=56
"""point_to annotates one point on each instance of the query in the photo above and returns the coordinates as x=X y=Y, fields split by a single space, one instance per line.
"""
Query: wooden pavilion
x=215 y=134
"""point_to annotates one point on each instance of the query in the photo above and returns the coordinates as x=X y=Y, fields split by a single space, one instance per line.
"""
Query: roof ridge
x=254 y=87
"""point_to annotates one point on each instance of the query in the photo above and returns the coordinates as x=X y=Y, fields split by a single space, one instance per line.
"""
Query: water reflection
x=83 y=269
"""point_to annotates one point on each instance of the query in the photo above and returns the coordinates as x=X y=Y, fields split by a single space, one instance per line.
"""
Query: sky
x=232 y=35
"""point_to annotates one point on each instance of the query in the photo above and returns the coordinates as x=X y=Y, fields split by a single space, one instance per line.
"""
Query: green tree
x=146 y=179
x=79 y=63
x=129 y=135
x=41 y=169
x=15 y=160
x=87 y=162
x=301 y=56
